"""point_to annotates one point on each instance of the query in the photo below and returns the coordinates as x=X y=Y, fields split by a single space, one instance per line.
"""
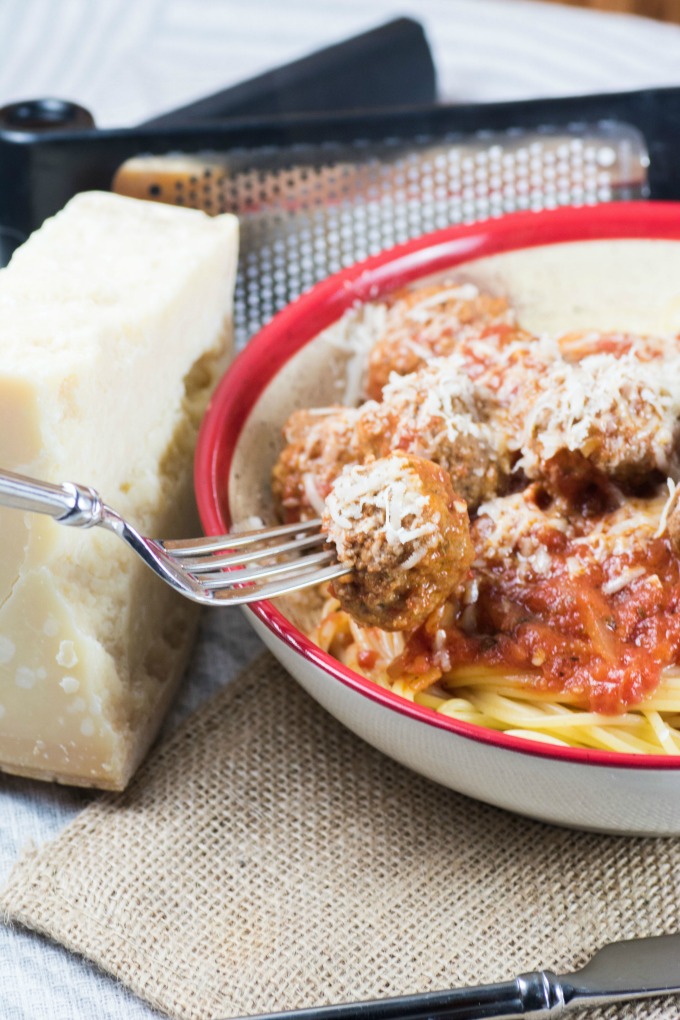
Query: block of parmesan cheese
x=116 y=322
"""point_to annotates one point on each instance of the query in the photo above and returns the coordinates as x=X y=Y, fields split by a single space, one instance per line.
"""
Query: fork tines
x=220 y=564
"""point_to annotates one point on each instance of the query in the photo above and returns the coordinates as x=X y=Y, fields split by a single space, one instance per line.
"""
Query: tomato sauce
x=603 y=652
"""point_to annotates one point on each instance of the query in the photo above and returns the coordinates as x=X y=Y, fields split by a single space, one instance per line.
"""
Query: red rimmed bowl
x=613 y=266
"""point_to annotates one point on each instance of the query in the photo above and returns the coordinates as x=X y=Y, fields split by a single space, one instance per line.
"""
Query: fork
x=213 y=571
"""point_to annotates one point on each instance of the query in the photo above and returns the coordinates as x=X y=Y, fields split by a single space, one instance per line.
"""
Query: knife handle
x=535 y=994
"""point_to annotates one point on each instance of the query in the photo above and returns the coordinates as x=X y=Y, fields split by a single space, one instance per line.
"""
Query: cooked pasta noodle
x=503 y=701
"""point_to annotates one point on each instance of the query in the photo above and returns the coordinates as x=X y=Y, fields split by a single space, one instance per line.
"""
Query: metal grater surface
x=309 y=210
x=321 y=211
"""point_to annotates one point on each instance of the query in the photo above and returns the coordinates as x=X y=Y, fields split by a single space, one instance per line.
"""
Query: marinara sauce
x=568 y=630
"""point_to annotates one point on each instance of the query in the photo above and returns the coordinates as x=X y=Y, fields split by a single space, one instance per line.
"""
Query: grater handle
x=388 y=66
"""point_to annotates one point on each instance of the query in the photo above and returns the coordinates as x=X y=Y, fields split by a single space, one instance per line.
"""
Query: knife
x=619 y=972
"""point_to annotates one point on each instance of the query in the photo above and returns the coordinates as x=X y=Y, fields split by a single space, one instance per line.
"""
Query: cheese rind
x=116 y=323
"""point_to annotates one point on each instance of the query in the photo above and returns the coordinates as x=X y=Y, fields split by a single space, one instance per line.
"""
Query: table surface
x=128 y=60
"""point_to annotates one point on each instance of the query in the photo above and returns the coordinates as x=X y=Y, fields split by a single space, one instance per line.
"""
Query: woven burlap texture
x=265 y=858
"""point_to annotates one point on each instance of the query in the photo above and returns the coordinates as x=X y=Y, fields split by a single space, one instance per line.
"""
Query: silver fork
x=212 y=571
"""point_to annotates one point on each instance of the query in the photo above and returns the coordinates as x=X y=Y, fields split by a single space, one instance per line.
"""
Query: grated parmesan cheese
x=667 y=507
x=386 y=486
x=622 y=580
x=619 y=410
x=511 y=526
x=442 y=657
x=421 y=311
x=627 y=528
x=250 y=523
x=312 y=493
x=438 y=403
x=355 y=334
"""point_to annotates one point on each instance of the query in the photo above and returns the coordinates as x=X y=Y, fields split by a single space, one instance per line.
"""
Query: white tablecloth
x=127 y=60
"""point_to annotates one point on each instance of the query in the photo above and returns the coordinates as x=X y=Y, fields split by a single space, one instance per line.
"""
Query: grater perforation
x=309 y=210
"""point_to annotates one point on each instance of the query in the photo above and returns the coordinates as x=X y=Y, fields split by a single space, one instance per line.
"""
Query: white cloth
x=128 y=60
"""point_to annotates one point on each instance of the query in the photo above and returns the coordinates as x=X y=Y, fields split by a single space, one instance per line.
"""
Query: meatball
x=319 y=444
x=440 y=414
x=620 y=413
x=431 y=322
x=404 y=535
x=437 y=413
x=514 y=371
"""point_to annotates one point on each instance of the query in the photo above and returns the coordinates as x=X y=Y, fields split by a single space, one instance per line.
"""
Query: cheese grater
x=310 y=211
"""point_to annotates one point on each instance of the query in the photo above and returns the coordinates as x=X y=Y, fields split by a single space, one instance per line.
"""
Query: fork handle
x=68 y=503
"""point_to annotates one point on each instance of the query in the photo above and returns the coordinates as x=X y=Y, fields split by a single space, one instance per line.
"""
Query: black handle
x=388 y=66
x=45 y=115
x=40 y=171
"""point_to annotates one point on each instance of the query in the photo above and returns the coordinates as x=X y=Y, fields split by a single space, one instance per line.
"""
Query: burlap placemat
x=265 y=858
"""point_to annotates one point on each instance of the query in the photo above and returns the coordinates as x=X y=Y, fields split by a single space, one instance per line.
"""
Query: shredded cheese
x=383 y=497
x=667 y=507
x=421 y=311
x=355 y=334
x=622 y=580
x=627 y=528
x=312 y=493
x=440 y=402
x=616 y=407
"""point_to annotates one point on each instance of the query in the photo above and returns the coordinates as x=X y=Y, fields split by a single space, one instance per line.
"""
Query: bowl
x=615 y=265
